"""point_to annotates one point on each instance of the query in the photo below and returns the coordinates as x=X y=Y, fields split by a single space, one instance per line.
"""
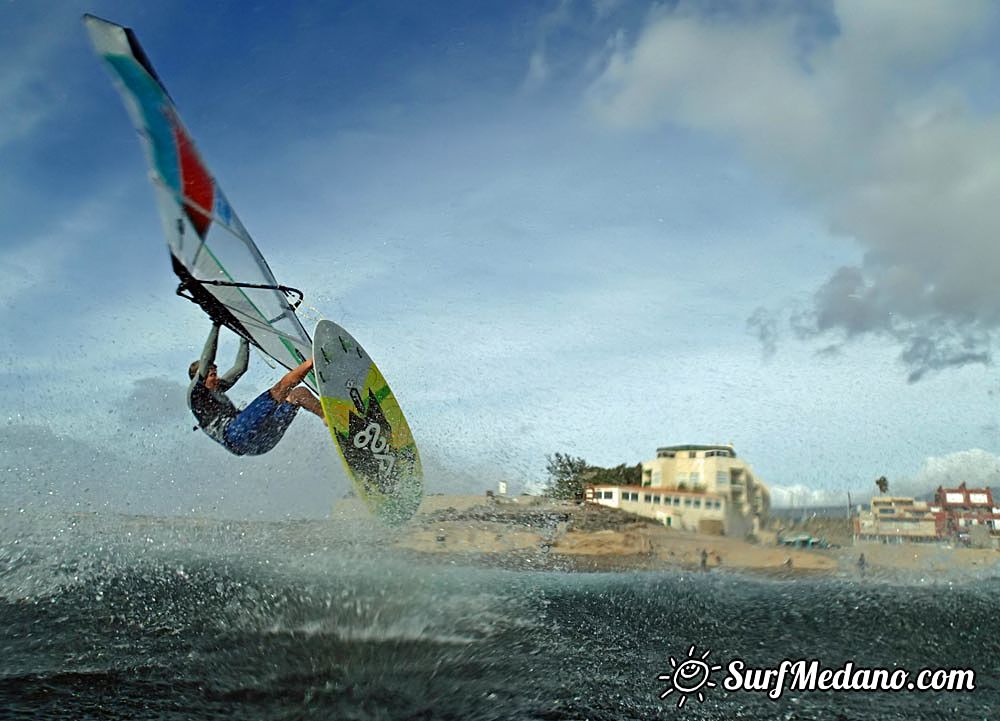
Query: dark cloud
x=852 y=305
x=154 y=402
x=845 y=301
x=945 y=349
x=764 y=325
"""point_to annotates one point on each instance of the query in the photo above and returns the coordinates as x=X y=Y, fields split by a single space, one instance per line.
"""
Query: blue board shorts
x=258 y=427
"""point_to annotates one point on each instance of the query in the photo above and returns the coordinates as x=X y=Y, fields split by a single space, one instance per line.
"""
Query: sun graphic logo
x=689 y=677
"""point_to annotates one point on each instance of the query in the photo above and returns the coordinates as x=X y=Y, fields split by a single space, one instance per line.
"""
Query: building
x=696 y=488
x=895 y=519
x=955 y=513
x=964 y=508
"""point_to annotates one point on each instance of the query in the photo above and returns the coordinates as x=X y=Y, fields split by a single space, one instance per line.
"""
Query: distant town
x=708 y=489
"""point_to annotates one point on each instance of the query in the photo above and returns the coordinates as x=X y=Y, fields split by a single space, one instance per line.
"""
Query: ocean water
x=112 y=617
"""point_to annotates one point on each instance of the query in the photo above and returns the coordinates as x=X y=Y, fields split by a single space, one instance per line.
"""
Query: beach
x=528 y=532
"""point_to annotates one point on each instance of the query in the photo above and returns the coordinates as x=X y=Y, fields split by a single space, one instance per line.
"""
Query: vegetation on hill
x=568 y=475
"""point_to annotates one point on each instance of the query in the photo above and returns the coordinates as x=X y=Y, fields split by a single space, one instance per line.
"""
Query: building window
x=656 y=499
x=687 y=501
x=722 y=477
x=647 y=498
x=697 y=503
x=677 y=500
x=692 y=454
x=695 y=478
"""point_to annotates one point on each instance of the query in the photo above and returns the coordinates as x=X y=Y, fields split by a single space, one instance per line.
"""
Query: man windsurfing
x=258 y=427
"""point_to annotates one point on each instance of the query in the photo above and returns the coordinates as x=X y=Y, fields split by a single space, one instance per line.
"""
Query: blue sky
x=588 y=227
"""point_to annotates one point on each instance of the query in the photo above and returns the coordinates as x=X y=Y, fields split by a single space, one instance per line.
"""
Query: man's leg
x=291 y=379
x=304 y=398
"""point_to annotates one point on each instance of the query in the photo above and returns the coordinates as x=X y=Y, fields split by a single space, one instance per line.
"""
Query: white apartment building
x=696 y=488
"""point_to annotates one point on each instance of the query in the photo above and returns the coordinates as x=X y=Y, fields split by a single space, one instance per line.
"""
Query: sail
x=217 y=262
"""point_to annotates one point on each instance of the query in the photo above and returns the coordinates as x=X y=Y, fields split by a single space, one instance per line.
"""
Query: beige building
x=898 y=519
x=695 y=488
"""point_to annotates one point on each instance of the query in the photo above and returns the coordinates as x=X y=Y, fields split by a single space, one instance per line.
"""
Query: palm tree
x=883 y=485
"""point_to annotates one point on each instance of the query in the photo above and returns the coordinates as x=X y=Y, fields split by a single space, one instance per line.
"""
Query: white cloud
x=27 y=96
x=605 y=8
x=875 y=34
x=709 y=75
x=873 y=127
x=800 y=496
x=974 y=467
x=538 y=70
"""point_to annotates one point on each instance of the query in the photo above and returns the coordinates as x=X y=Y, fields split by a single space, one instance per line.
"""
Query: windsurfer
x=258 y=427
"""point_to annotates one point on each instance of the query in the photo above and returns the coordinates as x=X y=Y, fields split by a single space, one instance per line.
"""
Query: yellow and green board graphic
x=372 y=435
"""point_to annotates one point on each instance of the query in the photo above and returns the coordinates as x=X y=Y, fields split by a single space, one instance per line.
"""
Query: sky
x=593 y=227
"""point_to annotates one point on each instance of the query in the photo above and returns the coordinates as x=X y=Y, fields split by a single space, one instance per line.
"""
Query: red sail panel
x=197 y=185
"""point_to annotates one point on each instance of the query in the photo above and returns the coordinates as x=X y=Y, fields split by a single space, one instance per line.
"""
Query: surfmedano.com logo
x=689 y=677
x=693 y=675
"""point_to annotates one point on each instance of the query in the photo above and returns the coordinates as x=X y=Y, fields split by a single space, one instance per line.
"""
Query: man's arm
x=208 y=353
x=206 y=360
x=228 y=380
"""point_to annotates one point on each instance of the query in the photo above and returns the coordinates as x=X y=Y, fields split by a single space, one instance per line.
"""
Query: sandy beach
x=532 y=533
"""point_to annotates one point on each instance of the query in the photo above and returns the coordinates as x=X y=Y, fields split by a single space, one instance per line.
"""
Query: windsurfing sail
x=213 y=255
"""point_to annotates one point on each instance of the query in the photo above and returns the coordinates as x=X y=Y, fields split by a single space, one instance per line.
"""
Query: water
x=130 y=617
